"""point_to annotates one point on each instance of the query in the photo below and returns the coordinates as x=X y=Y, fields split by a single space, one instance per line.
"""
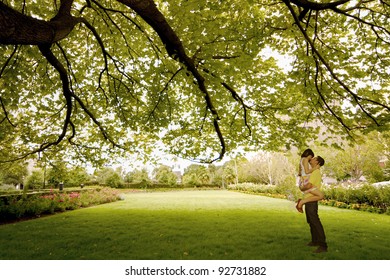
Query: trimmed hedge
x=359 y=197
x=15 y=207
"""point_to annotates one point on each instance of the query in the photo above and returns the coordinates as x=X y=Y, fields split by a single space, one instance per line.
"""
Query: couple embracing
x=310 y=185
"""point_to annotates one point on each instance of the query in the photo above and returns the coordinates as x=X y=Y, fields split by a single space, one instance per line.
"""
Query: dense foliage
x=85 y=78
x=13 y=173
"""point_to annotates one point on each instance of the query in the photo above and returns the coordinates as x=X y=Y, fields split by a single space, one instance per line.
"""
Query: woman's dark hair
x=307 y=152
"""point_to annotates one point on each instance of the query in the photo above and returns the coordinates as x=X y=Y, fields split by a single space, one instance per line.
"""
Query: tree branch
x=354 y=96
x=19 y=29
x=93 y=118
x=325 y=101
x=48 y=54
x=317 y=6
x=1 y=99
x=240 y=101
x=151 y=15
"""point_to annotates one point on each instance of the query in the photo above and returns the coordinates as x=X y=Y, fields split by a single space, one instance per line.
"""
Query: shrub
x=289 y=192
x=15 y=207
x=359 y=197
x=7 y=187
x=148 y=185
x=35 y=180
x=114 y=181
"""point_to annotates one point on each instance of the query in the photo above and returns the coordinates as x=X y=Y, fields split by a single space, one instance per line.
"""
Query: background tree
x=360 y=161
x=216 y=174
x=57 y=173
x=164 y=174
x=13 y=173
x=114 y=180
x=108 y=176
x=242 y=169
x=229 y=175
x=271 y=168
x=35 y=180
x=78 y=175
x=196 y=175
x=137 y=176
x=84 y=78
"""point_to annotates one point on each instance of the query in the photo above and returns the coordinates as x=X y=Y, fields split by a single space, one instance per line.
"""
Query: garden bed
x=357 y=197
x=15 y=207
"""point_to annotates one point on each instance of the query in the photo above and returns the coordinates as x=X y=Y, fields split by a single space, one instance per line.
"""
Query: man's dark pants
x=316 y=228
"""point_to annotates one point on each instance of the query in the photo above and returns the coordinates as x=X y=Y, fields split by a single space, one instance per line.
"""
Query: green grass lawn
x=195 y=225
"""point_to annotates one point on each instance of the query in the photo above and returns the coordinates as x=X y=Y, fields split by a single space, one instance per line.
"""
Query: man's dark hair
x=307 y=152
x=320 y=160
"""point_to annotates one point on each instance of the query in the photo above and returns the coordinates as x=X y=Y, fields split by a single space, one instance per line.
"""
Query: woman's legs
x=316 y=196
x=304 y=184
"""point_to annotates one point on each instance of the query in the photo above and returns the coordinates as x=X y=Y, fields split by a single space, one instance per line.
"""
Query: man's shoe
x=321 y=250
x=311 y=243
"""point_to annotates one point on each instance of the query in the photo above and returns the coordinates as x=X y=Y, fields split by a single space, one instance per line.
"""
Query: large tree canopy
x=88 y=77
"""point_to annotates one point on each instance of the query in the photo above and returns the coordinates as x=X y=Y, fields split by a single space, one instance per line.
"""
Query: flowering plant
x=34 y=205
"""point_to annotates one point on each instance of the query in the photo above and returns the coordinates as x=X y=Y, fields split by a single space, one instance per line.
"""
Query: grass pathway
x=195 y=225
